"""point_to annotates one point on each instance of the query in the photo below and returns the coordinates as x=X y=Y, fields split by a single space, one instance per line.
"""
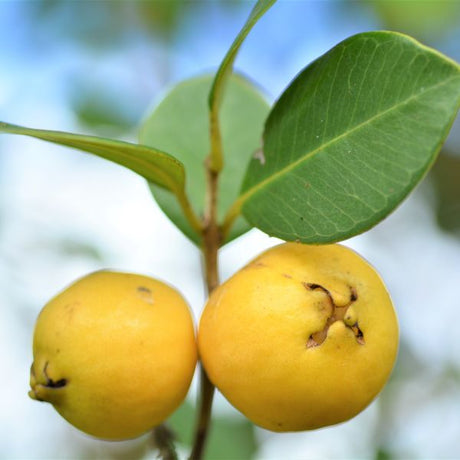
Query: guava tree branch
x=211 y=243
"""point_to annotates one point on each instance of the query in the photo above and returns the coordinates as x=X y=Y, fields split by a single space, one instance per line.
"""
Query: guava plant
x=343 y=145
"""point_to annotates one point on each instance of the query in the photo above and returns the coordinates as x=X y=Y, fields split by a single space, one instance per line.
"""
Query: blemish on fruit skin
x=145 y=294
x=321 y=306
x=70 y=308
x=259 y=264
x=354 y=294
x=254 y=265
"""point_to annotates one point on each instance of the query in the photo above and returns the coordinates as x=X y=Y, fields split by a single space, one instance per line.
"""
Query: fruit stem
x=204 y=419
x=163 y=439
x=211 y=241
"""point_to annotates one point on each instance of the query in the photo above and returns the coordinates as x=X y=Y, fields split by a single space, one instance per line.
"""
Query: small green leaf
x=350 y=138
x=156 y=166
x=180 y=124
x=219 y=84
x=225 y=68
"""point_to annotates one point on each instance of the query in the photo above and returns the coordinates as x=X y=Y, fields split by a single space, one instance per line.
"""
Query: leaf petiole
x=189 y=213
x=231 y=216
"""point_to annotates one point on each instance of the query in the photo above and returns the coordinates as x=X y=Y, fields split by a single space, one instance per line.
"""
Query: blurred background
x=97 y=67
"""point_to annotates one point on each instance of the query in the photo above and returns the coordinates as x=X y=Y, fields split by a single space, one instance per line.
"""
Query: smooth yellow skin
x=255 y=337
x=125 y=345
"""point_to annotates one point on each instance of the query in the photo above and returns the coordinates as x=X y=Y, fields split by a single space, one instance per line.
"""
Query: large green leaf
x=180 y=124
x=156 y=166
x=219 y=84
x=350 y=138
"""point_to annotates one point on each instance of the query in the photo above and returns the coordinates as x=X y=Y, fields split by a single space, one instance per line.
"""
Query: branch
x=211 y=242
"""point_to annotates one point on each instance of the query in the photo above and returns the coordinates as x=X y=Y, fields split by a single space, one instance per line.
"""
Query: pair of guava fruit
x=300 y=338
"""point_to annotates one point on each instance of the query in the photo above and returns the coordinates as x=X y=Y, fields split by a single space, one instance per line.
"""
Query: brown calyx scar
x=37 y=387
x=338 y=313
x=50 y=383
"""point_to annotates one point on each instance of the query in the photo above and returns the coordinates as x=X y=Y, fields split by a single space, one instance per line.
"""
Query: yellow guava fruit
x=302 y=337
x=114 y=353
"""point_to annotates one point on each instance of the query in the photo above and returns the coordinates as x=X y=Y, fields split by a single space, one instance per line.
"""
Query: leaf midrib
x=245 y=196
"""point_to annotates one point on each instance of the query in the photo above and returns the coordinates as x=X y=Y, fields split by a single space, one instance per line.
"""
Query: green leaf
x=156 y=166
x=225 y=68
x=350 y=138
x=219 y=84
x=180 y=124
